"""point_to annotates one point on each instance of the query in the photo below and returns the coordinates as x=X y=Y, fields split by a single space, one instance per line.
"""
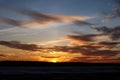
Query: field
x=10 y=70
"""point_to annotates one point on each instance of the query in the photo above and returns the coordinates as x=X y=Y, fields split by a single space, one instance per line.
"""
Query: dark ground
x=13 y=70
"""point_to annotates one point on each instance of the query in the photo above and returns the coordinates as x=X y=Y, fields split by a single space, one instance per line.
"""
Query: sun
x=54 y=60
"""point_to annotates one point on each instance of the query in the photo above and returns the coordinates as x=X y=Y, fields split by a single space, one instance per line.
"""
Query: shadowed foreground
x=10 y=70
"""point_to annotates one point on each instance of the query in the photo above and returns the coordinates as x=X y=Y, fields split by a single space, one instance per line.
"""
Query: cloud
x=7 y=55
x=115 y=13
x=79 y=23
x=43 y=19
x=113 y=33
x=18 y=45
x=2 y=55
x=103 y=53
x=4 y=20
x=50 y=56
x=93 y=44
x=89 y=51
x=118 y=1
x=7 y=29
x=107 y=44
x=86 y=37
x=83 y=39
x=94 y=59
x=52 y=42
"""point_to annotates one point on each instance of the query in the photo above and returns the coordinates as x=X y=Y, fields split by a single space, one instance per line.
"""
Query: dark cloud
x=111 y=15
x=37 y=15
x=76 y=32
x=103 y=53
x=34 y=14
x=8 y=21
x=49 y=56
x=47 y=17
x=113 y=33
x=115 y=13
x=118 y=2
x=93 y=46
x=80 y=23
x=107 y=44
x=2 y=55
x=85 y=37
x=89 y=50
x=18 y=45
x=42 y=18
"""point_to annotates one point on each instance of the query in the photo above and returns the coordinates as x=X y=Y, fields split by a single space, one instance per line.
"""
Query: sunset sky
x=60 y=30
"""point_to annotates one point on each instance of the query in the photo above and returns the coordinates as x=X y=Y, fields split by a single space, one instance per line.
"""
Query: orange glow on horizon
x=52 y=55
x=54 y=60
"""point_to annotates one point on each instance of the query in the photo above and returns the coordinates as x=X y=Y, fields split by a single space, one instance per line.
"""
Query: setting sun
x=54 y=60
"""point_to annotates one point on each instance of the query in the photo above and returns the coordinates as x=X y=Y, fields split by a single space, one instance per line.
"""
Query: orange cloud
x=80 y=53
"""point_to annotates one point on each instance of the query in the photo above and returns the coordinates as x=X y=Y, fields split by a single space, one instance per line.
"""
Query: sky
x=60 y=30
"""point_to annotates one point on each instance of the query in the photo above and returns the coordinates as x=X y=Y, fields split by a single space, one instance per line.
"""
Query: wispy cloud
x=8 y=21
x=19 y=45
x=51 y=42
x=43 y=18
x=106 y=43
x=46 y=17
x=7 y=29
x=115 y=13
x=80 y=23
x=113 y=33
x=83 y=39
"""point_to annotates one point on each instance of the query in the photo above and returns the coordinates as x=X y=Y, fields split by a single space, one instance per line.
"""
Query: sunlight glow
x=54 y=56
x=54 y=60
